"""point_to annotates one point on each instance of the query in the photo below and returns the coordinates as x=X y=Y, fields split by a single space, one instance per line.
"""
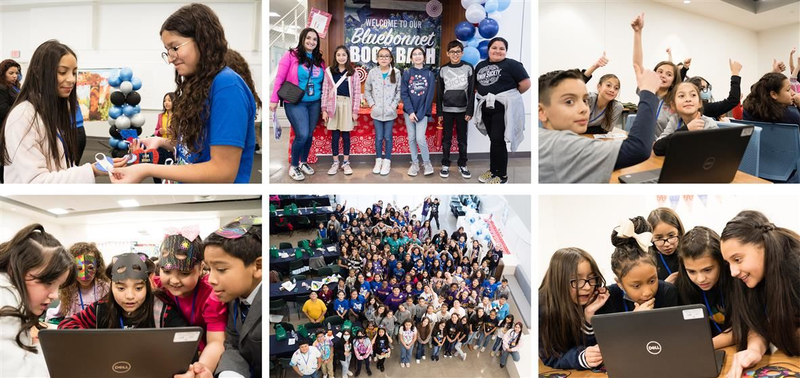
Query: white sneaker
x=423 y=356
x=350 y=373
x=295 y=173
x=428 y=168
x=417 y=362
x=413 y=170
x=306 y=169
x=346 y=168
x=377 y=168
x=325 y=376
x=334 y=168
x=483 y=349
x=464 y=357
x=386 y=167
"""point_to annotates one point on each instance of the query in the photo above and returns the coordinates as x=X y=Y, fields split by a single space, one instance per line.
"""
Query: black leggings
x=494 y=119
x=335 y=143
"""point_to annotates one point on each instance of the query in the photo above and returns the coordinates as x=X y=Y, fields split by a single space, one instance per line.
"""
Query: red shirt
x=209 y=313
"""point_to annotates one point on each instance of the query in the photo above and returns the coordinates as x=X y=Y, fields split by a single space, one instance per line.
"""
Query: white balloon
x=111 y=121
x=496 y=16
x=137 y=120
x=123 y=122
x=467 y=3
x=475 y=14
x=126 y=87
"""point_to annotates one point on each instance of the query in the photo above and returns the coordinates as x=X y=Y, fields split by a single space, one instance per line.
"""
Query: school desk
x=294 y=219
x=275 y=291
x=768 y=359
x=299 y=200
x=282 y=348
x=282 y=264
x=656 y=162
x=362 y=137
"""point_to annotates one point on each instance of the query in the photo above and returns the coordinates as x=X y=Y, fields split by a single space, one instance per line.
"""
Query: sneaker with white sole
x=295 y=174
x=428 y=168
x=306 y=169
x=417 y=361
x=497 y=180
x=464 y=172
x=464 y=357
x=423 y=356
x=485 y=177
x=334 y=168
x=346 y=168
x=413 y=170
x=445 y=172
x=386 y=167
x=483 y=349
x=378 y=164
x=350 y=373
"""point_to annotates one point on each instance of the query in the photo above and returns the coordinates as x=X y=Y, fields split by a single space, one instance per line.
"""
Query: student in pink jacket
x=302 y=66
x=341 y=99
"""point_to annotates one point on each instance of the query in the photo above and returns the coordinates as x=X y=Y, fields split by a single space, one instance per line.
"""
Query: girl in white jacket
x=33 y=265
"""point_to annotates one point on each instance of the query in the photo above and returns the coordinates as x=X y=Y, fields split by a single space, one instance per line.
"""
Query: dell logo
x=708 y=163
x=121 y=367
x=653 y=348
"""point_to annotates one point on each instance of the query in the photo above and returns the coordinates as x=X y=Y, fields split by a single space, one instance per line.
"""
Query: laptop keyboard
x=653 y=180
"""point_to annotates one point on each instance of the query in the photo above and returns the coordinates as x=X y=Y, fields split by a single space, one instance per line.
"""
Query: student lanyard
x=66 y=153
x=709 y=312
x=660 y=105
x=121 y=324
x=669 y=271
x=236 y=316
x=306 y=357
x=191 y=314
x=594 y=107
x=94 y=287
x=624 y=304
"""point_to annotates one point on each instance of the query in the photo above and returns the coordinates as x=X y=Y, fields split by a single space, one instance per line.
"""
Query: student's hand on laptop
x=741 y=361
x=593 y=356
x=647 y=80
x=674 y=276
x=645 y=306
x=196 y=370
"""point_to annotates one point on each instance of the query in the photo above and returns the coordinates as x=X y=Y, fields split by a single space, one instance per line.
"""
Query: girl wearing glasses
x=667 y=230
x=572 y=291
x=382 y=92
x=212 y=129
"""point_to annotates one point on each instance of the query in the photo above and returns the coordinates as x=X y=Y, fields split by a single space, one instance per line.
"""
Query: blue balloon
x=488 y=28
x=471 y=56
x=137 y=83
x=464 y=31
x=474 y=206
x=137 y=109
x=128 y=110
x=112 y=142
x=487 y=238
x=479 y=232
x=115 y=112
x=114 y=81
x=126 y=74
x=473 y=42
x=483 y=49
x=503 y=5
x=490 y=6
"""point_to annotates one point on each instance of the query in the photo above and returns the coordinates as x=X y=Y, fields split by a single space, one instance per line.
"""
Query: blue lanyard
x=660 y=105
x=594 y=107
x=191 y=314
x=121 y=325
x=680 y=122
x=81 y=296
x=624 y=304
x=709 y=312
x=669 y=271
x=236 y=316
x=66 y=152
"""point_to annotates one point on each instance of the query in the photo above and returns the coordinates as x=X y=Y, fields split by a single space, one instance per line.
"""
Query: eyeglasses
x=661 y=242
x=172 y=52
x=580 y=283
x=455 y=52
x=384 y=57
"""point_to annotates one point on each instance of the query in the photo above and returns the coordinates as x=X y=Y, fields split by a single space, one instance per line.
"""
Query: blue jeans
x=436 y=350
x=383 y=132
x=420 y=350
x=497 y=344
x=485 y=339
x=304 y=117
x=405 y=354
x=416 y=137
x=504 y=357
x=315 y=375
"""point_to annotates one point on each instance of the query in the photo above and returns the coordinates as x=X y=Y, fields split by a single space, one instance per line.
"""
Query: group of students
x=489 y=94
x=747 y=278
x=669 y=102
x=133 y=291
x=211 y=128
x=408 y=289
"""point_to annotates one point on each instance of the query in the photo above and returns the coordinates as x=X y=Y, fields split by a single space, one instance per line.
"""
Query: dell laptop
x=703 y=156
x=129 y=353
x=664 y=342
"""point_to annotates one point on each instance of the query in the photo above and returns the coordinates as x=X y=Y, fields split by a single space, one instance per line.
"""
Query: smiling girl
x=686 y=102
x=33 y=266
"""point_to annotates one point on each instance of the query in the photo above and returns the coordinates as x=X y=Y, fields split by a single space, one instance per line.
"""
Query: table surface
x=656 y=162
x=775 y=358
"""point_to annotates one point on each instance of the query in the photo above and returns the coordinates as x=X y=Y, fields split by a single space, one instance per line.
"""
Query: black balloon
x=117 y=98
x=114 y=132
x=138 y=130
x=116 y=153
x=133 y=99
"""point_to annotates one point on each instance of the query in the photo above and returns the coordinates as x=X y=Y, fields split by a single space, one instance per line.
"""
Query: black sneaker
x=464 y=172
x=445 y=172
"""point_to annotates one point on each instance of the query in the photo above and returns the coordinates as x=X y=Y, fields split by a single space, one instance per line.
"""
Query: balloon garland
x=480 y=27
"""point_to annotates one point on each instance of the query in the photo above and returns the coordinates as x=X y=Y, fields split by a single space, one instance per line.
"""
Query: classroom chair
x=285 y=365
x=285 y=245
x=335 y=269
x=288 y=327
x=629 y=122
x=751 y=158
x=333 y=321
x=324 y=272
x=295 y=264
x=322 y=219
x=280 y=305
x=303 y=221
x=312 y=327
x=299 y=277
x=780 y=150
x=299 y=301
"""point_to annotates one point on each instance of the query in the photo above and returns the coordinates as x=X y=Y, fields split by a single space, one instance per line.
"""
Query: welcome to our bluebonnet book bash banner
x=367 y=30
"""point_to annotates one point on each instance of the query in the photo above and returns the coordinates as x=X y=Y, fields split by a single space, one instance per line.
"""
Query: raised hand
x=646 y=80
x=736 y=67
x=638 y=23
x=777 y=66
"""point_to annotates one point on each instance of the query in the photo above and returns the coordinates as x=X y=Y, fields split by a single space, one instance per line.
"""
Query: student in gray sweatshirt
x=455 y=99
x=382 y=91
x=417 y=94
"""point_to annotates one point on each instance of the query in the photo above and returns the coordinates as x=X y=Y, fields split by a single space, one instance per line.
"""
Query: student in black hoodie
x=454 y=104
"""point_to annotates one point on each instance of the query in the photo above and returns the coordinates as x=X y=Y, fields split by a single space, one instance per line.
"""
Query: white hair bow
x=626 y=229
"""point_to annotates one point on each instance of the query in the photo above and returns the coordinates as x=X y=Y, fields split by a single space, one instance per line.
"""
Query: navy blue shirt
x=344 y=88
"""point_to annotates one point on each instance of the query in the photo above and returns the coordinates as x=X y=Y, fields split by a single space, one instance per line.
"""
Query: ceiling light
x=687 y=1
x=58 y=211
x=128 y=203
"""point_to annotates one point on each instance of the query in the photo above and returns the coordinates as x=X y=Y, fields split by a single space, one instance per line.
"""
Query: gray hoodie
x=383 y=94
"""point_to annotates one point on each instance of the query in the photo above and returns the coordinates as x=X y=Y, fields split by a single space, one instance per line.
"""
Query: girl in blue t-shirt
x=213 y=118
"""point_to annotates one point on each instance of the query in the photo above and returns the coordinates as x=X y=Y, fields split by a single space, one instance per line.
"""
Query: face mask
x=347 y=337
x=705 y=95
x=84 y=262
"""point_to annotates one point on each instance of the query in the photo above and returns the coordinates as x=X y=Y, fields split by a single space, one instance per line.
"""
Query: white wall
x=575 y=34
x=11 y=222
x=124 y=35
x=586 y=222
x=776 y=43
